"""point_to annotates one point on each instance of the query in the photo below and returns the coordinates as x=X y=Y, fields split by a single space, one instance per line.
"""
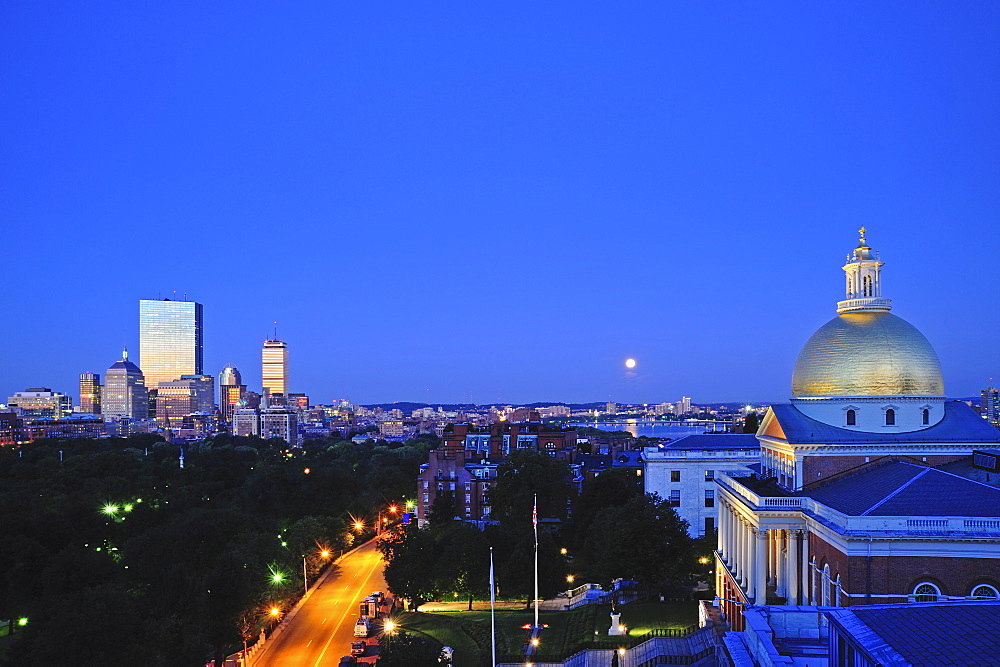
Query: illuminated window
x=709 y=475
x=852 y=418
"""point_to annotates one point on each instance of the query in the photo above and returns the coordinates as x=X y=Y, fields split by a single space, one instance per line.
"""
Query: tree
x=410 y=554
x=751 y=423
x=524 y=475
x=645 y=540
x=611 y=488
x=403 y=650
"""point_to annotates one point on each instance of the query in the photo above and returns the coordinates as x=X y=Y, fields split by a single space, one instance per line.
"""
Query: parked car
x=358 y=647
x=348 y=661
x=363 y=627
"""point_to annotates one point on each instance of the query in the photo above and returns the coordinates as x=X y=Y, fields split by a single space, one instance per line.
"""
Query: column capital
x=761 y=533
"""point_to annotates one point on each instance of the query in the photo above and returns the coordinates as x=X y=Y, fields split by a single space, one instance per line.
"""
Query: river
x=652 y=429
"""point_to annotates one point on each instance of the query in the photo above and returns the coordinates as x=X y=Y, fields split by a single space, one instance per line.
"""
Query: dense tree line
x=114 y=554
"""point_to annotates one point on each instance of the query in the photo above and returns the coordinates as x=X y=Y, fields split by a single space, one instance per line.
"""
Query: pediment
x=771 y=427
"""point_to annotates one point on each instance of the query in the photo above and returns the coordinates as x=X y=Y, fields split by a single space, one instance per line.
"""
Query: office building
x=280 y=421
x=40 y=402
x=274 y=367
x=990 y=405
x=189 y=395
x=231 y=391
x=170 y=340
x=90 y=393
x=683 y=472
x=124 y=393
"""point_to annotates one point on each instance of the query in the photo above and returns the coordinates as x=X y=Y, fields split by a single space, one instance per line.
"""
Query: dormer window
x=852 y=418
x=926 y=418
x=890 y=417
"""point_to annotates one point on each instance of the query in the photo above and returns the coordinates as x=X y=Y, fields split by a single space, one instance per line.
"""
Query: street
x=322 y=631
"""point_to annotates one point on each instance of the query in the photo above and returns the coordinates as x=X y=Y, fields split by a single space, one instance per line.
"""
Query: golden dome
x=867 y=354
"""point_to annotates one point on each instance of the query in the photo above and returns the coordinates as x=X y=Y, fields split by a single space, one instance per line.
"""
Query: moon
x=630 y=363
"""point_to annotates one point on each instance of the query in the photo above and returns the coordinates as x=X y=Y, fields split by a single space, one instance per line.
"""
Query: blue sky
x=452 y=202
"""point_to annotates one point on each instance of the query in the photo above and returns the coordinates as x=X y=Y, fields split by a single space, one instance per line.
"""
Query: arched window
x=986 y=592
x=926 y=416
x=890 y=417
x=852 y=418
x=926 y=592
x=824 y=586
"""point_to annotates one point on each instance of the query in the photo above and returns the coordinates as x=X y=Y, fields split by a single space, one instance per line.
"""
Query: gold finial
x=862 y=232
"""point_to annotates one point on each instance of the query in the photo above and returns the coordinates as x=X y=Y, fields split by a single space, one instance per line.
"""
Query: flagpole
x=534 y=522
x=493 y=600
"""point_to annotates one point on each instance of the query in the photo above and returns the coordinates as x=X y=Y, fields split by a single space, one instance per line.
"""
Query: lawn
x=462 y=629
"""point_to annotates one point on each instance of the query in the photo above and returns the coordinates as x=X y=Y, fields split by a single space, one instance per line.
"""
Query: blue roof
x=906 y=489
x=960 y=424
x=714 y=441
x=936 y=633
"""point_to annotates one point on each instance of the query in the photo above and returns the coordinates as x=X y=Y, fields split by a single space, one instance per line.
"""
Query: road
x=323 y=629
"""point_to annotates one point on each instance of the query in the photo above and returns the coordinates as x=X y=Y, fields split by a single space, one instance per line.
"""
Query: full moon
x=630 y=363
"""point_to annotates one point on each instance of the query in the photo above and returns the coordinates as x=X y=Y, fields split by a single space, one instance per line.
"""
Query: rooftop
x=960 y=424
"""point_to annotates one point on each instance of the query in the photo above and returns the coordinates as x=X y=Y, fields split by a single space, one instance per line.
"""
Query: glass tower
x=274 y=367
x=170 y=340
x=90 y=393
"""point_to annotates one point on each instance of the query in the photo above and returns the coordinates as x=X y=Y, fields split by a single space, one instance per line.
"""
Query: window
x=852 y=418
x=890 y=417
x=451 y=486
x=675 y=475
x=427 y=497
x=675 y=498
x=926 y=592
x=985 y=591
x=709 y=475
x=709 y=498
x=468 y=486
x=709 y=525
x=468 y=497
x=426 y=483
x=926 y=416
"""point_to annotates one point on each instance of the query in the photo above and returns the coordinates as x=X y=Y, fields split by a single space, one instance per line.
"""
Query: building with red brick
x=850 y=506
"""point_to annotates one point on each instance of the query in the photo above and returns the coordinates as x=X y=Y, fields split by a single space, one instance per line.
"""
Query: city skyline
x=498 y=204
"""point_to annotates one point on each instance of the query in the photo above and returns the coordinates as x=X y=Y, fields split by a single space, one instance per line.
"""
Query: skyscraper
x=170 y=340
x=124 y=391
x=274 y=367
x=180 y=398
x=90 y=393
x=231 y=391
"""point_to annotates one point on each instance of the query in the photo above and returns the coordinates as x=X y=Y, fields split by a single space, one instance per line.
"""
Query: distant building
x=11 y=429
x=90 y=393
x=683 y=406
x=611 y=408
x=124 y=393
x=460 y=475
x=990 y=405
x=497 y=441
x=246 y=420
x=554 y=411
x=231 y=391
x=274 y=367
x=279 y=421
x=683 y=472
x=179 y=398
x=663 y=409
x=392 y=428
x=78 y=425
x=170 y=340
x=40 y=402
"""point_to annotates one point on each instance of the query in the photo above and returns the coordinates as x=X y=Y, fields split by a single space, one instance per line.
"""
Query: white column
x=738 y=561
x=804 y=598
x=793 y=567
x=760 y=567
x=771 y=546
x=745 y=558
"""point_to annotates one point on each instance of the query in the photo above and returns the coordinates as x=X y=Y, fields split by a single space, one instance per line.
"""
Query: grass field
x=468 y=632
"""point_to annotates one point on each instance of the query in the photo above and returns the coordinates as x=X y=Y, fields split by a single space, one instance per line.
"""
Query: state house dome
x=865 y=350
x=871 y=353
